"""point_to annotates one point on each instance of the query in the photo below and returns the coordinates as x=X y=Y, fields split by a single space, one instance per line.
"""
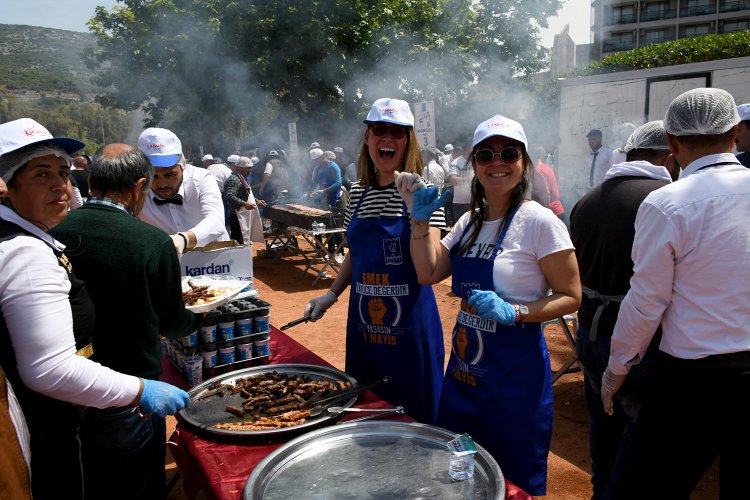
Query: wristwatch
x=521 y=311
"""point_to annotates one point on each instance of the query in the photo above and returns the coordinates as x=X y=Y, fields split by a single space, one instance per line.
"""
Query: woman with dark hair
x=514 y=267
x=393 y=328
x=48 y=317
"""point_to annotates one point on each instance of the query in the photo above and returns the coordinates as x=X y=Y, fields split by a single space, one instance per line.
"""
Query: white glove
x=319 y=305
x=611 y=383
x=180 y=243
x=406 y=185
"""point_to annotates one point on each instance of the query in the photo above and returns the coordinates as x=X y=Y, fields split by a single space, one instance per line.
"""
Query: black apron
x=53 y=424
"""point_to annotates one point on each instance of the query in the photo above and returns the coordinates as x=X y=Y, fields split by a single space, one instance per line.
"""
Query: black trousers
x=694 y=412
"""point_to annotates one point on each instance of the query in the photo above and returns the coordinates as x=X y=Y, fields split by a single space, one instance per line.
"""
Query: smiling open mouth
x=386 y=152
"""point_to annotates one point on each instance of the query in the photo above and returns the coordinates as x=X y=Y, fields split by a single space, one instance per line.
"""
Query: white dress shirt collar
x=11 y=216
x=708 y=160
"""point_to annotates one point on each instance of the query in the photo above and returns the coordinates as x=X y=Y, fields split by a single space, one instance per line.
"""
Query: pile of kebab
x=198 y=294
x=273 y=400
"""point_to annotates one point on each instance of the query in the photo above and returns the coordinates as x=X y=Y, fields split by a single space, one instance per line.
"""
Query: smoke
x=229 y=109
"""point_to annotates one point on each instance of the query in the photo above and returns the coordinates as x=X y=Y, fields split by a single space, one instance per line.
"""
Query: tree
x=205 y=66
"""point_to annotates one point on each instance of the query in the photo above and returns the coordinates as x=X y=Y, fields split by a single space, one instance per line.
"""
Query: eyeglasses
x=507 y=155
x=397 y=132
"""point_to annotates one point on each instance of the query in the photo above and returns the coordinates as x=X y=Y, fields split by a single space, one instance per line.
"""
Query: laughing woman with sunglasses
x=394 y=327
x=506 y=254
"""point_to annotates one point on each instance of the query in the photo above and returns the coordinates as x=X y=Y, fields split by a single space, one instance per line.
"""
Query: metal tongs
x=322 y=404
x=303 y=319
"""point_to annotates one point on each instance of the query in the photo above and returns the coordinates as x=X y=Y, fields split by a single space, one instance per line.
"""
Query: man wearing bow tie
x=186 y=201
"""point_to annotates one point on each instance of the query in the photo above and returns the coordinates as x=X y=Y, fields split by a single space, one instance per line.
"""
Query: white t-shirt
x=221 y=172
x=462 y=190
x=535 y=232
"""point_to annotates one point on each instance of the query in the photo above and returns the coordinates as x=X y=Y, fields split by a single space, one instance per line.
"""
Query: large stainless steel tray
x=371 y=460
x=204 y=413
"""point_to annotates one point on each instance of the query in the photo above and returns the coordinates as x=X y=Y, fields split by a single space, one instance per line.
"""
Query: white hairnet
x=11 y=162
x=650 y=135
x=703 y=111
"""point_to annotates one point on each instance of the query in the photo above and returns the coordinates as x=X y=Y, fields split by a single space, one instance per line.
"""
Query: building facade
x=625 y=25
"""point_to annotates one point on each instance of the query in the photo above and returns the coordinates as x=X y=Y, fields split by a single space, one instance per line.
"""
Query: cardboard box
x=219 y=257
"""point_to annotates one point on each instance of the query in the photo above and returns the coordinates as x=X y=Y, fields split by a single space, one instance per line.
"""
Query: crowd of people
x=655 y=264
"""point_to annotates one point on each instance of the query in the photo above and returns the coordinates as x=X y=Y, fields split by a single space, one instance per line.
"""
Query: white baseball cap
x=499 y=125
x=316 y=153
x=448 y=148
x=161 y=146
x=338 y=149
x=315 y=145
x=390 y=110
x=233 y=158
x=23 y=132
x=207 y=157
x=744 y=111
x=254 y=160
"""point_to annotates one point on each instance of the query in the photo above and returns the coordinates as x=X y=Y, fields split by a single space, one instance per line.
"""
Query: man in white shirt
x=187 y=202
x=692 y=277
x=221 y=173
x=460 y=176
x=433 y=172
x=600 y=158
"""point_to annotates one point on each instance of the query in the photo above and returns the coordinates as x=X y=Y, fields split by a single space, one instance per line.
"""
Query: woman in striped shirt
x=393 y=327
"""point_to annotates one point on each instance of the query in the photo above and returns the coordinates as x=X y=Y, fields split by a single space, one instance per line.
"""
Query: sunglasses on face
x=509 y=154
x=397 y=132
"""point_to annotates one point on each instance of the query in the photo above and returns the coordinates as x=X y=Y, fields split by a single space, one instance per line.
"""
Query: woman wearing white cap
x=47 y=316
x=393 y=327
x=505 y=255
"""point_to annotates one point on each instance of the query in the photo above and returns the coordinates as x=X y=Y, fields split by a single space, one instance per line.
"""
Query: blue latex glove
x=490 y=306
x=162 y=399
x=426 y=201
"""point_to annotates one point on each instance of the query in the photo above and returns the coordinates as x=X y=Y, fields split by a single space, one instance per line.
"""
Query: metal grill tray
x=371 y=460
x=204 y=413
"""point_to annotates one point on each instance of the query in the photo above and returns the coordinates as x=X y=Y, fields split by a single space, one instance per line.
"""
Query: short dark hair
x=704 y=140
x=115 y=174
x=653 y=156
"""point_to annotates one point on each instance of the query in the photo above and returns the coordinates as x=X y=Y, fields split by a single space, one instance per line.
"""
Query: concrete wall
x=606 y=102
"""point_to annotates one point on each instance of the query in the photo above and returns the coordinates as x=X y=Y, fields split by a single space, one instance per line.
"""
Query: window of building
x=735 y=25
x=623 y=14
x=619 y=41
x=655 y=10
x=733 y=5
x=696 y=30
x=699 y=7
x=656 y=36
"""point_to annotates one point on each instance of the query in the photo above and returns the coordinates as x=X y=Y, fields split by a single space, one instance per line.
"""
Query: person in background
x=325 y=189
x=314 y=145
x=81 y=174
x=187 y=203
x=124 y=260
x=47 y=315
x=393 y=330
x=207 y=160
x=544 y=187
x=221 y=172
x=432 y=172
x=238 y=196
x=692 y=277
x=460 y=177
x=602 y=230
x=513 y=266
x=76 y=199
x=600 y=158
x=15 y=442
x=275 y=178
x=742 y=143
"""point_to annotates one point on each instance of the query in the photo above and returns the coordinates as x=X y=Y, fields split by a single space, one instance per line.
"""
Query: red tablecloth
x=217 y=468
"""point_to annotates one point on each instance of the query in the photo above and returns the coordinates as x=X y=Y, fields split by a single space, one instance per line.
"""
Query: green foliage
x=684 y=51
x=87 y=121
x=43 y=60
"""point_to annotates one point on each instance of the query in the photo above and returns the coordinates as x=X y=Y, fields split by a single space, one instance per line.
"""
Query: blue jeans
x=123 y=454
x=610 y=437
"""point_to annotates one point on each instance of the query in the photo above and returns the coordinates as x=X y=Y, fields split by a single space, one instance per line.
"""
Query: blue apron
x=498 y=386
x=394 y=327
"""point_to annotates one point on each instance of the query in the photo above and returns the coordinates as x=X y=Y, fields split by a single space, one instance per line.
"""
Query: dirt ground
x=282 y=283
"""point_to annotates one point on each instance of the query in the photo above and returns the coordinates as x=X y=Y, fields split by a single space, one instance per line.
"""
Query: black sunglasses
x=507 y=155
x=396 y=131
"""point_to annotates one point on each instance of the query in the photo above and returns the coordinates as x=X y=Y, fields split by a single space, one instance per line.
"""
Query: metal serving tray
x=371 y=460
x=204 y=413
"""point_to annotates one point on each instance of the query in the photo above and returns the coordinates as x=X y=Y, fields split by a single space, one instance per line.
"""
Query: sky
x=73 y=14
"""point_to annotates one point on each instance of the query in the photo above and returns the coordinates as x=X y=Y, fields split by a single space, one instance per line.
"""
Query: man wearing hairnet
x=742 y=142
x=601 y=227
x=692 y=276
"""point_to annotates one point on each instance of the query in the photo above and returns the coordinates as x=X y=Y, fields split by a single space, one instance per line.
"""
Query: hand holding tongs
x=303 y=319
